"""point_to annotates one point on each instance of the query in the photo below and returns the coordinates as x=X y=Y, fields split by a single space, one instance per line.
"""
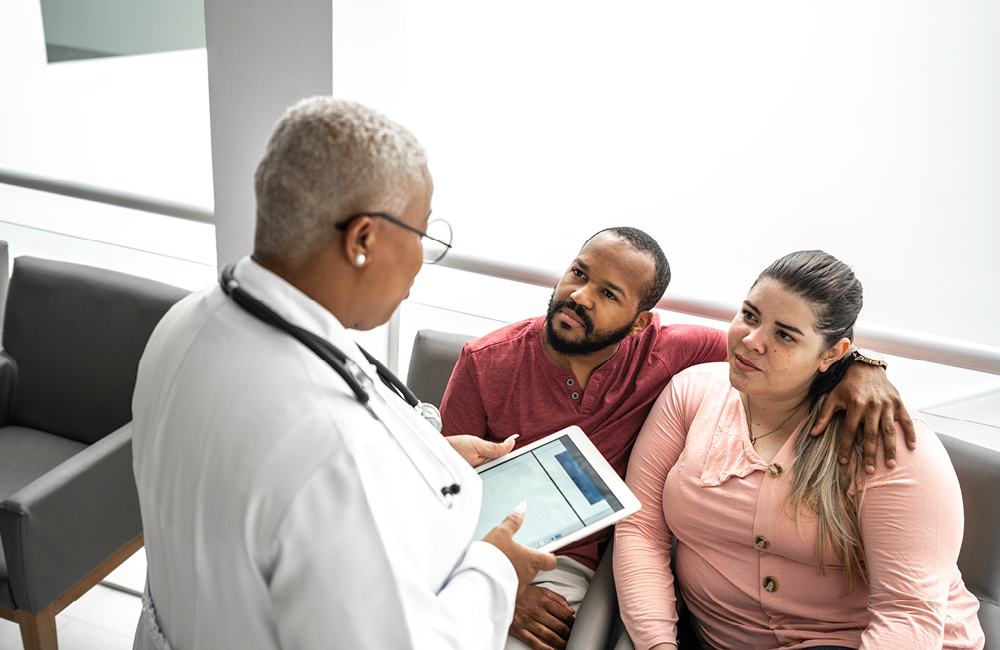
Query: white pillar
x=263 y=56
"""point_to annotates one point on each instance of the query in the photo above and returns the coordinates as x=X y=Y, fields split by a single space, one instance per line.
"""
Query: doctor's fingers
x=486 y=451
x=511 y=523
x=527 y=562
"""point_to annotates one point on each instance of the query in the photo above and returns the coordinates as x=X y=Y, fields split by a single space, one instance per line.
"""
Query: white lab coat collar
x=296 y=307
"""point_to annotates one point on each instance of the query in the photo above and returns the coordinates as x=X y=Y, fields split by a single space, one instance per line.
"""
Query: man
x=598 y=359
x=289 y=499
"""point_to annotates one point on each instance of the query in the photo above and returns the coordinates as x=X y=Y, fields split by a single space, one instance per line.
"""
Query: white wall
x=733 y=132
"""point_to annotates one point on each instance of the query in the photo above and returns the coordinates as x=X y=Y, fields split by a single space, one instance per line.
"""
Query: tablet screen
x=564 y=493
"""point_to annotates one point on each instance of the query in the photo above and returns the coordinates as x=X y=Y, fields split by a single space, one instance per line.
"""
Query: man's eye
x=577 y=272
x=610 y=295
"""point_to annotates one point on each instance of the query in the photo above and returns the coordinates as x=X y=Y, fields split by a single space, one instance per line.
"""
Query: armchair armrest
x=65 y=524
x=598 y=614
x=8 y=376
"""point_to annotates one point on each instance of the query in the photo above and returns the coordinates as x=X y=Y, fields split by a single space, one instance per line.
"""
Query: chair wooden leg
x=38 y=631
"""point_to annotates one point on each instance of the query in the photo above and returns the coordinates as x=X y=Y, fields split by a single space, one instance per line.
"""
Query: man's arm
x=462 y=410
x=866 y=395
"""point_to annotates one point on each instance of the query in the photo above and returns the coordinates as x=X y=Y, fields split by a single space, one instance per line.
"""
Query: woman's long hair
x=819 y=482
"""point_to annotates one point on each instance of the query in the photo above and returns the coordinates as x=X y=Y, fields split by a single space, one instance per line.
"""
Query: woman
x=778 y=545
x=289 y=498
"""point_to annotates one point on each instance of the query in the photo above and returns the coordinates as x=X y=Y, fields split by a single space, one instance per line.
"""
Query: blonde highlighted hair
x=819 y=482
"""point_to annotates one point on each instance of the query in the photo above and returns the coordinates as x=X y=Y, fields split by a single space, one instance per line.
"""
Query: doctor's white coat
x=278 y=513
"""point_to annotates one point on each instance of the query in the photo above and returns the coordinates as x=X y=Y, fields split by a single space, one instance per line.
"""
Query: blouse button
x=575 y=395
x=569 y=382
x=774 y=470
x=762 y=542
x=770 y=584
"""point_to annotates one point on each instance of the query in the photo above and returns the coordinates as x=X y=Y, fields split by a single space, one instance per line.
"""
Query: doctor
x=290 y=498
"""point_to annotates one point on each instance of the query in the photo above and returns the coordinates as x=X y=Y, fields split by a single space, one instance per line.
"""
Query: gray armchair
x=72 y=338
x=434 y=357
x=978 y=472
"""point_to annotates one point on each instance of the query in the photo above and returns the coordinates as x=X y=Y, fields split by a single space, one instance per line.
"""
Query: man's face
x=596 y=303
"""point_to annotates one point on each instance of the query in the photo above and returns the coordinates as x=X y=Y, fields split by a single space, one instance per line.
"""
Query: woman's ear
x=834 y=354
x=357 y=241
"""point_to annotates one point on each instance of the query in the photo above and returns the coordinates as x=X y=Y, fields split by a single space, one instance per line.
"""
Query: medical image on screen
x=564 y=494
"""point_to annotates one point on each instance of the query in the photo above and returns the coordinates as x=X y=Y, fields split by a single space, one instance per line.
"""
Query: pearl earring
x=360 y=259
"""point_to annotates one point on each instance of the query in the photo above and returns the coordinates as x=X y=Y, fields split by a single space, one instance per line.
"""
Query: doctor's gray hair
x=327 y=160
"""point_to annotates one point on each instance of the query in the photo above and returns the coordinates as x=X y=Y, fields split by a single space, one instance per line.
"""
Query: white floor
x=102 y=619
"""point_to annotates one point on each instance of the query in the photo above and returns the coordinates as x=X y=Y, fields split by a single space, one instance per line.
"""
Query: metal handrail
x=890 y=340
x=106 y=195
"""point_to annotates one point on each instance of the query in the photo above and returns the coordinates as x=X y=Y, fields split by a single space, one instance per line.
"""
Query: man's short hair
x=643 y=243
x=329 y=159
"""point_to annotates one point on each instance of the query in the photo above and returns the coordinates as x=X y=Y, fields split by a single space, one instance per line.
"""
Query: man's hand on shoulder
x=542 y=619
x=477 y=451
x=866 y=395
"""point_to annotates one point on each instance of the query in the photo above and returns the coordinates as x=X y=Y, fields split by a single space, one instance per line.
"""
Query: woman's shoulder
x=699 y=383
x=929 y=459
x=703 y=375
x=706 y=372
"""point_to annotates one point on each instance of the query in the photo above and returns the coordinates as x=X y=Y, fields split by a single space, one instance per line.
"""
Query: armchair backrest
x=76 y=334
x=434 y=357
x=978 y=471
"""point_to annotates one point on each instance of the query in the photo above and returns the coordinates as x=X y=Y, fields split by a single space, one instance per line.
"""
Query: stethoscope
x=359 y=382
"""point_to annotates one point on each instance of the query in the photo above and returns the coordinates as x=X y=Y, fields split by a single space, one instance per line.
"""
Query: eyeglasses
x=435 y=241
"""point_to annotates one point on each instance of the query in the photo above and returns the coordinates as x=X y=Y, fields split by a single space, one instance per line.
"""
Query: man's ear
x=834 y=354
x=641 y=322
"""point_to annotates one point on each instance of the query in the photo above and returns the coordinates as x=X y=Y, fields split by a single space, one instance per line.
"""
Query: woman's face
x=773 y=349
x=398 y=257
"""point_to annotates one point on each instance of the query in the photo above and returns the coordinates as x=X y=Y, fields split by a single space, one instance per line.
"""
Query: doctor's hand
x=527 y=561
x=477 y=451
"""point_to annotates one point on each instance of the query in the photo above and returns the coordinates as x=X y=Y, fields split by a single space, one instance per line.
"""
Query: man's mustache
x=588 y=324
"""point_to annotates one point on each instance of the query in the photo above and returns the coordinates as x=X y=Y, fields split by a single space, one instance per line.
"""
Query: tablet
x=572 y=491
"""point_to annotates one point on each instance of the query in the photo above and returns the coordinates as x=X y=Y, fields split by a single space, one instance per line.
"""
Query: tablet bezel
x=630 y=503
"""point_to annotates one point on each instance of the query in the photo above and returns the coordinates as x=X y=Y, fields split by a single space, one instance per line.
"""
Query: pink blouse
x=745 y=570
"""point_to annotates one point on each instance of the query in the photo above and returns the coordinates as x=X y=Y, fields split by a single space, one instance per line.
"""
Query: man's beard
x=594 y=340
